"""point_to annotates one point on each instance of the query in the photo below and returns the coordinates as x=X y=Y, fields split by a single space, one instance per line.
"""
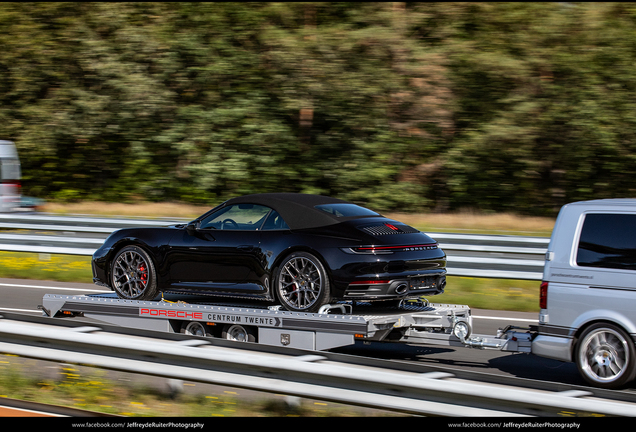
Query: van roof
x=607 y=202
x=8 y=150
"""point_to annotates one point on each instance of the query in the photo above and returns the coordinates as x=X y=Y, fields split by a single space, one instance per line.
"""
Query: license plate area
x=423 y=282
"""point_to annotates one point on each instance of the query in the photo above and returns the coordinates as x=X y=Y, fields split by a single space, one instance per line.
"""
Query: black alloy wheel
x=302 y=284
x=133 y=275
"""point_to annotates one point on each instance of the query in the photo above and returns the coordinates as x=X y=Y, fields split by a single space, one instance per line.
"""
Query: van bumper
x=558 y=348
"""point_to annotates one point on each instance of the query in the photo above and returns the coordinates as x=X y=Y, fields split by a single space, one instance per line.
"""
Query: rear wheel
x=605 y=356
x=133 y=275
x=302 y=284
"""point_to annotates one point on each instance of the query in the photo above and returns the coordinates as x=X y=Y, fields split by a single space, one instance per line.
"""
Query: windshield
x=346 y=210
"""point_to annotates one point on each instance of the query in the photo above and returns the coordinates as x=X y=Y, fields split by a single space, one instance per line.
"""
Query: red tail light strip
x=370 y=282
x=393 y=248
x=543 y=295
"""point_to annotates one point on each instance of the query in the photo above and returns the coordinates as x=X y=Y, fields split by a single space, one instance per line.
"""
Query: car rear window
x=608 y=241
x=346 y=210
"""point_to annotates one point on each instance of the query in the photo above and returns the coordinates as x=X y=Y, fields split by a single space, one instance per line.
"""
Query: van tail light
x=543 y=295
x=14 y=187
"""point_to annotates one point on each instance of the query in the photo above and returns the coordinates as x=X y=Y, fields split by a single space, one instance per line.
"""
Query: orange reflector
x=211 y=324
x=358 y=335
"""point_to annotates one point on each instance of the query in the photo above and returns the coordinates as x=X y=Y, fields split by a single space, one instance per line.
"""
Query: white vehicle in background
x=10 y=178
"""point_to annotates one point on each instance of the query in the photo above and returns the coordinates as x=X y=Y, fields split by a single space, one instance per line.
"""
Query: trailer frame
x=336 y=325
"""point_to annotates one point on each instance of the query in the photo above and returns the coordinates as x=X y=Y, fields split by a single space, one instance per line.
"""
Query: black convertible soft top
x=298 y=210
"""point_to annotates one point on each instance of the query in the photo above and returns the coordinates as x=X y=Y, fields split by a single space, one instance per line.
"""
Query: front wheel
x=133 y=275
x=605 y=356
x=302 y=284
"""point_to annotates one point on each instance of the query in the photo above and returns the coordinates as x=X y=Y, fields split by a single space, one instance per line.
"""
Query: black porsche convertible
x=300 y=250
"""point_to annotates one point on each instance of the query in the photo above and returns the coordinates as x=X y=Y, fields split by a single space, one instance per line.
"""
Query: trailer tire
x=239 y=333
x=605 y=356
x=133 y=275
x=194 y=328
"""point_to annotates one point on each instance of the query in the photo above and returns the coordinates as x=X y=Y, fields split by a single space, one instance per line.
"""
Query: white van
x=10 y=177
x=588 y=293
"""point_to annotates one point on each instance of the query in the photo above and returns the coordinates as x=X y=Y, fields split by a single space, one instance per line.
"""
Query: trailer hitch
x=507 y=339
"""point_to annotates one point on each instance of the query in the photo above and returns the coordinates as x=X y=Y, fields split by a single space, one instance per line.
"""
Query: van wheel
x=605 y=356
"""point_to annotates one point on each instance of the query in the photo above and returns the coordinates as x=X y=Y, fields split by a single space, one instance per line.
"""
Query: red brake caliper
x=144 y=274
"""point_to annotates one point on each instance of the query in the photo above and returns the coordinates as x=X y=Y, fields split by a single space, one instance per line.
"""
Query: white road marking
x=505 y=318
x=54 y=288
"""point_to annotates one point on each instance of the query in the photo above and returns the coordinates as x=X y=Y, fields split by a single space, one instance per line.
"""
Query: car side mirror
x=193 y=226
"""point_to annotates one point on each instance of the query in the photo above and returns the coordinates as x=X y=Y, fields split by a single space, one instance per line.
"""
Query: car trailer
x=337 y=325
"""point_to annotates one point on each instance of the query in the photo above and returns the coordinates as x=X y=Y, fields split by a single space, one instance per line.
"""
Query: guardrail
x=296 y=373
x=488 y=256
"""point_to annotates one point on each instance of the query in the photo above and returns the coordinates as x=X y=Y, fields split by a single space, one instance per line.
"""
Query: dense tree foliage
x=497 y=106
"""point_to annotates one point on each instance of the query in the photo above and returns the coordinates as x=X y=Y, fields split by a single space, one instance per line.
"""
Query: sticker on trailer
x=161 y=313
x=215 y=317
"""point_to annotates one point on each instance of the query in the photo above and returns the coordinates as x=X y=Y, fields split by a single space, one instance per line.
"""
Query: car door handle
x=246 y=248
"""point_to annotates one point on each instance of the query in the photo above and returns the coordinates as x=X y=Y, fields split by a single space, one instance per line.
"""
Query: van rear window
x=608 y=241
x=10 y=169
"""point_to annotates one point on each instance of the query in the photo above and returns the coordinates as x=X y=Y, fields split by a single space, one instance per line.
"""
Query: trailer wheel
x=605 y=356
x=194 y=328
x=239 y=333
x=133 y=275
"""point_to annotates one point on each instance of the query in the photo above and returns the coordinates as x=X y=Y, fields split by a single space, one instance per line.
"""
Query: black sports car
x=303 y=251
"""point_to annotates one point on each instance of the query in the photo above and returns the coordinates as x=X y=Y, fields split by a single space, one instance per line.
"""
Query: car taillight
x=390 y=249
x=543 y=295
x=370 y=282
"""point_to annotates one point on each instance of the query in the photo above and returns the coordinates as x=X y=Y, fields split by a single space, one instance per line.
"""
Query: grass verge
x=467 y=221
x=62 y=268
x=96 y=390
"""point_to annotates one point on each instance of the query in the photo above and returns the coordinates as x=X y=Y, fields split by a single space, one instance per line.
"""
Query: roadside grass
x=93 y=389
x=467 y=221
x=495 y=294
x=62 y=268
x=471 y=222
x=142 y=210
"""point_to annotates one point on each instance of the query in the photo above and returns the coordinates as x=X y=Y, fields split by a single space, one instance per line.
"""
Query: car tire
x=133 y=275
x=605 y=356
x=301 y=283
